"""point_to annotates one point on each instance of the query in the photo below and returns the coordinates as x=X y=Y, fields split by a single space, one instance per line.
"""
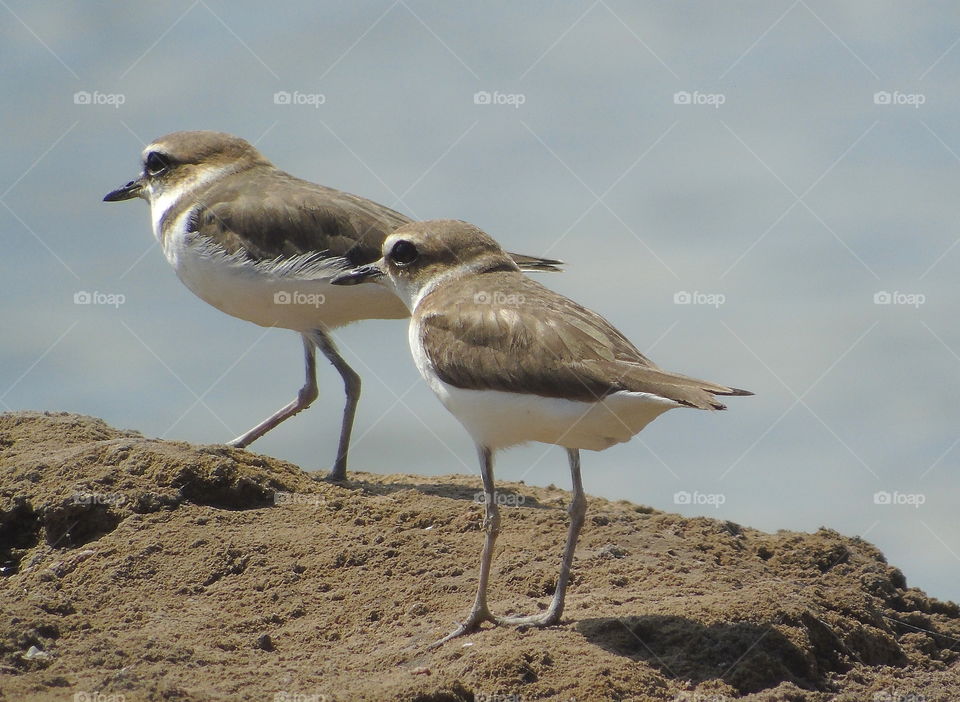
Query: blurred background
x=764 y=197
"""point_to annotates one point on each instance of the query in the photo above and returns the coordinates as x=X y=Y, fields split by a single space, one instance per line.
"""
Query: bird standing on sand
x=262 y=245
x=517 y=362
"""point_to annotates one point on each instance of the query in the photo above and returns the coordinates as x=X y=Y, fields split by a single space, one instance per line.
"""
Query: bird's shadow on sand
x=749 y=657
x=505 y=496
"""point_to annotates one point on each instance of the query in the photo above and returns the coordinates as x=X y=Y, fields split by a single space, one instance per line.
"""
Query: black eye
x=404 y=253
x=156 y=163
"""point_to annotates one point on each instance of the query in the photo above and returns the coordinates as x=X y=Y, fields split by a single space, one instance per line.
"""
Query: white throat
x=161 y=202
x=412 y=293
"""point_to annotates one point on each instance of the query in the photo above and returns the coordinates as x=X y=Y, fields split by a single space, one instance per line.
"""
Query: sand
x=138 y=569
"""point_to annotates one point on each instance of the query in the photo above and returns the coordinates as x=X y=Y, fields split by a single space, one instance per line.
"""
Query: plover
x=516 y=362
x=262 y=245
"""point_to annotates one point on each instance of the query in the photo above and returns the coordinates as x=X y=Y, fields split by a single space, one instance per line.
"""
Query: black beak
x=127 y=192
x=361 y=274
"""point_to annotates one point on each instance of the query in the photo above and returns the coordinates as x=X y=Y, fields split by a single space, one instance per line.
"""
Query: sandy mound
x=132 y=568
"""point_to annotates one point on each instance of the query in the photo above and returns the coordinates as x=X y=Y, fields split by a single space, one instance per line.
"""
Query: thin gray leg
x=577 y=510
x=306 y=395
x=351 y=385
x=491 y=524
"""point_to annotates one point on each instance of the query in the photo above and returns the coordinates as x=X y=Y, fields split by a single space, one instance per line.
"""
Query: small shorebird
x=262 y=245
x=516 y=362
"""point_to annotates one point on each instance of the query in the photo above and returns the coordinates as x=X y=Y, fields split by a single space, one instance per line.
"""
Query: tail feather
x=708 y=391
x=682 y=389
x=733 y=392
x=536 y=263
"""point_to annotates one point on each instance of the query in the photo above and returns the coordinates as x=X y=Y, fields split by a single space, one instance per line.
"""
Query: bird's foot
x=338 y=474
x=478 y=616
x=548 y=618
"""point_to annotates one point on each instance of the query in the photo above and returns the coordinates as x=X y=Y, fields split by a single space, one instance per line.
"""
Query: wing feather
x=290 y=217
x=536 y=341
x=287 y=217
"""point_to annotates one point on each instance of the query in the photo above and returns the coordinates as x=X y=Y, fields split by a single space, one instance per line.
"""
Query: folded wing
x=288 y=216
x=504 y=331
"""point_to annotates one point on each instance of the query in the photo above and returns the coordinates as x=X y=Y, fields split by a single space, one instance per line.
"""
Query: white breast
x=497 y=419
x=292 y=293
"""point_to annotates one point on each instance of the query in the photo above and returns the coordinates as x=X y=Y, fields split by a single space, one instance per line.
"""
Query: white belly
x=294 y=294
x=497 y=419
x=500 y=419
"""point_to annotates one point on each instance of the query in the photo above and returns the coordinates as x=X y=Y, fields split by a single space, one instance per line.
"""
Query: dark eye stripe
x=156 y=163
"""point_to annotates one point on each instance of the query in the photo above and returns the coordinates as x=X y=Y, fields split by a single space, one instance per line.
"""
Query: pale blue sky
x=797 y=199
